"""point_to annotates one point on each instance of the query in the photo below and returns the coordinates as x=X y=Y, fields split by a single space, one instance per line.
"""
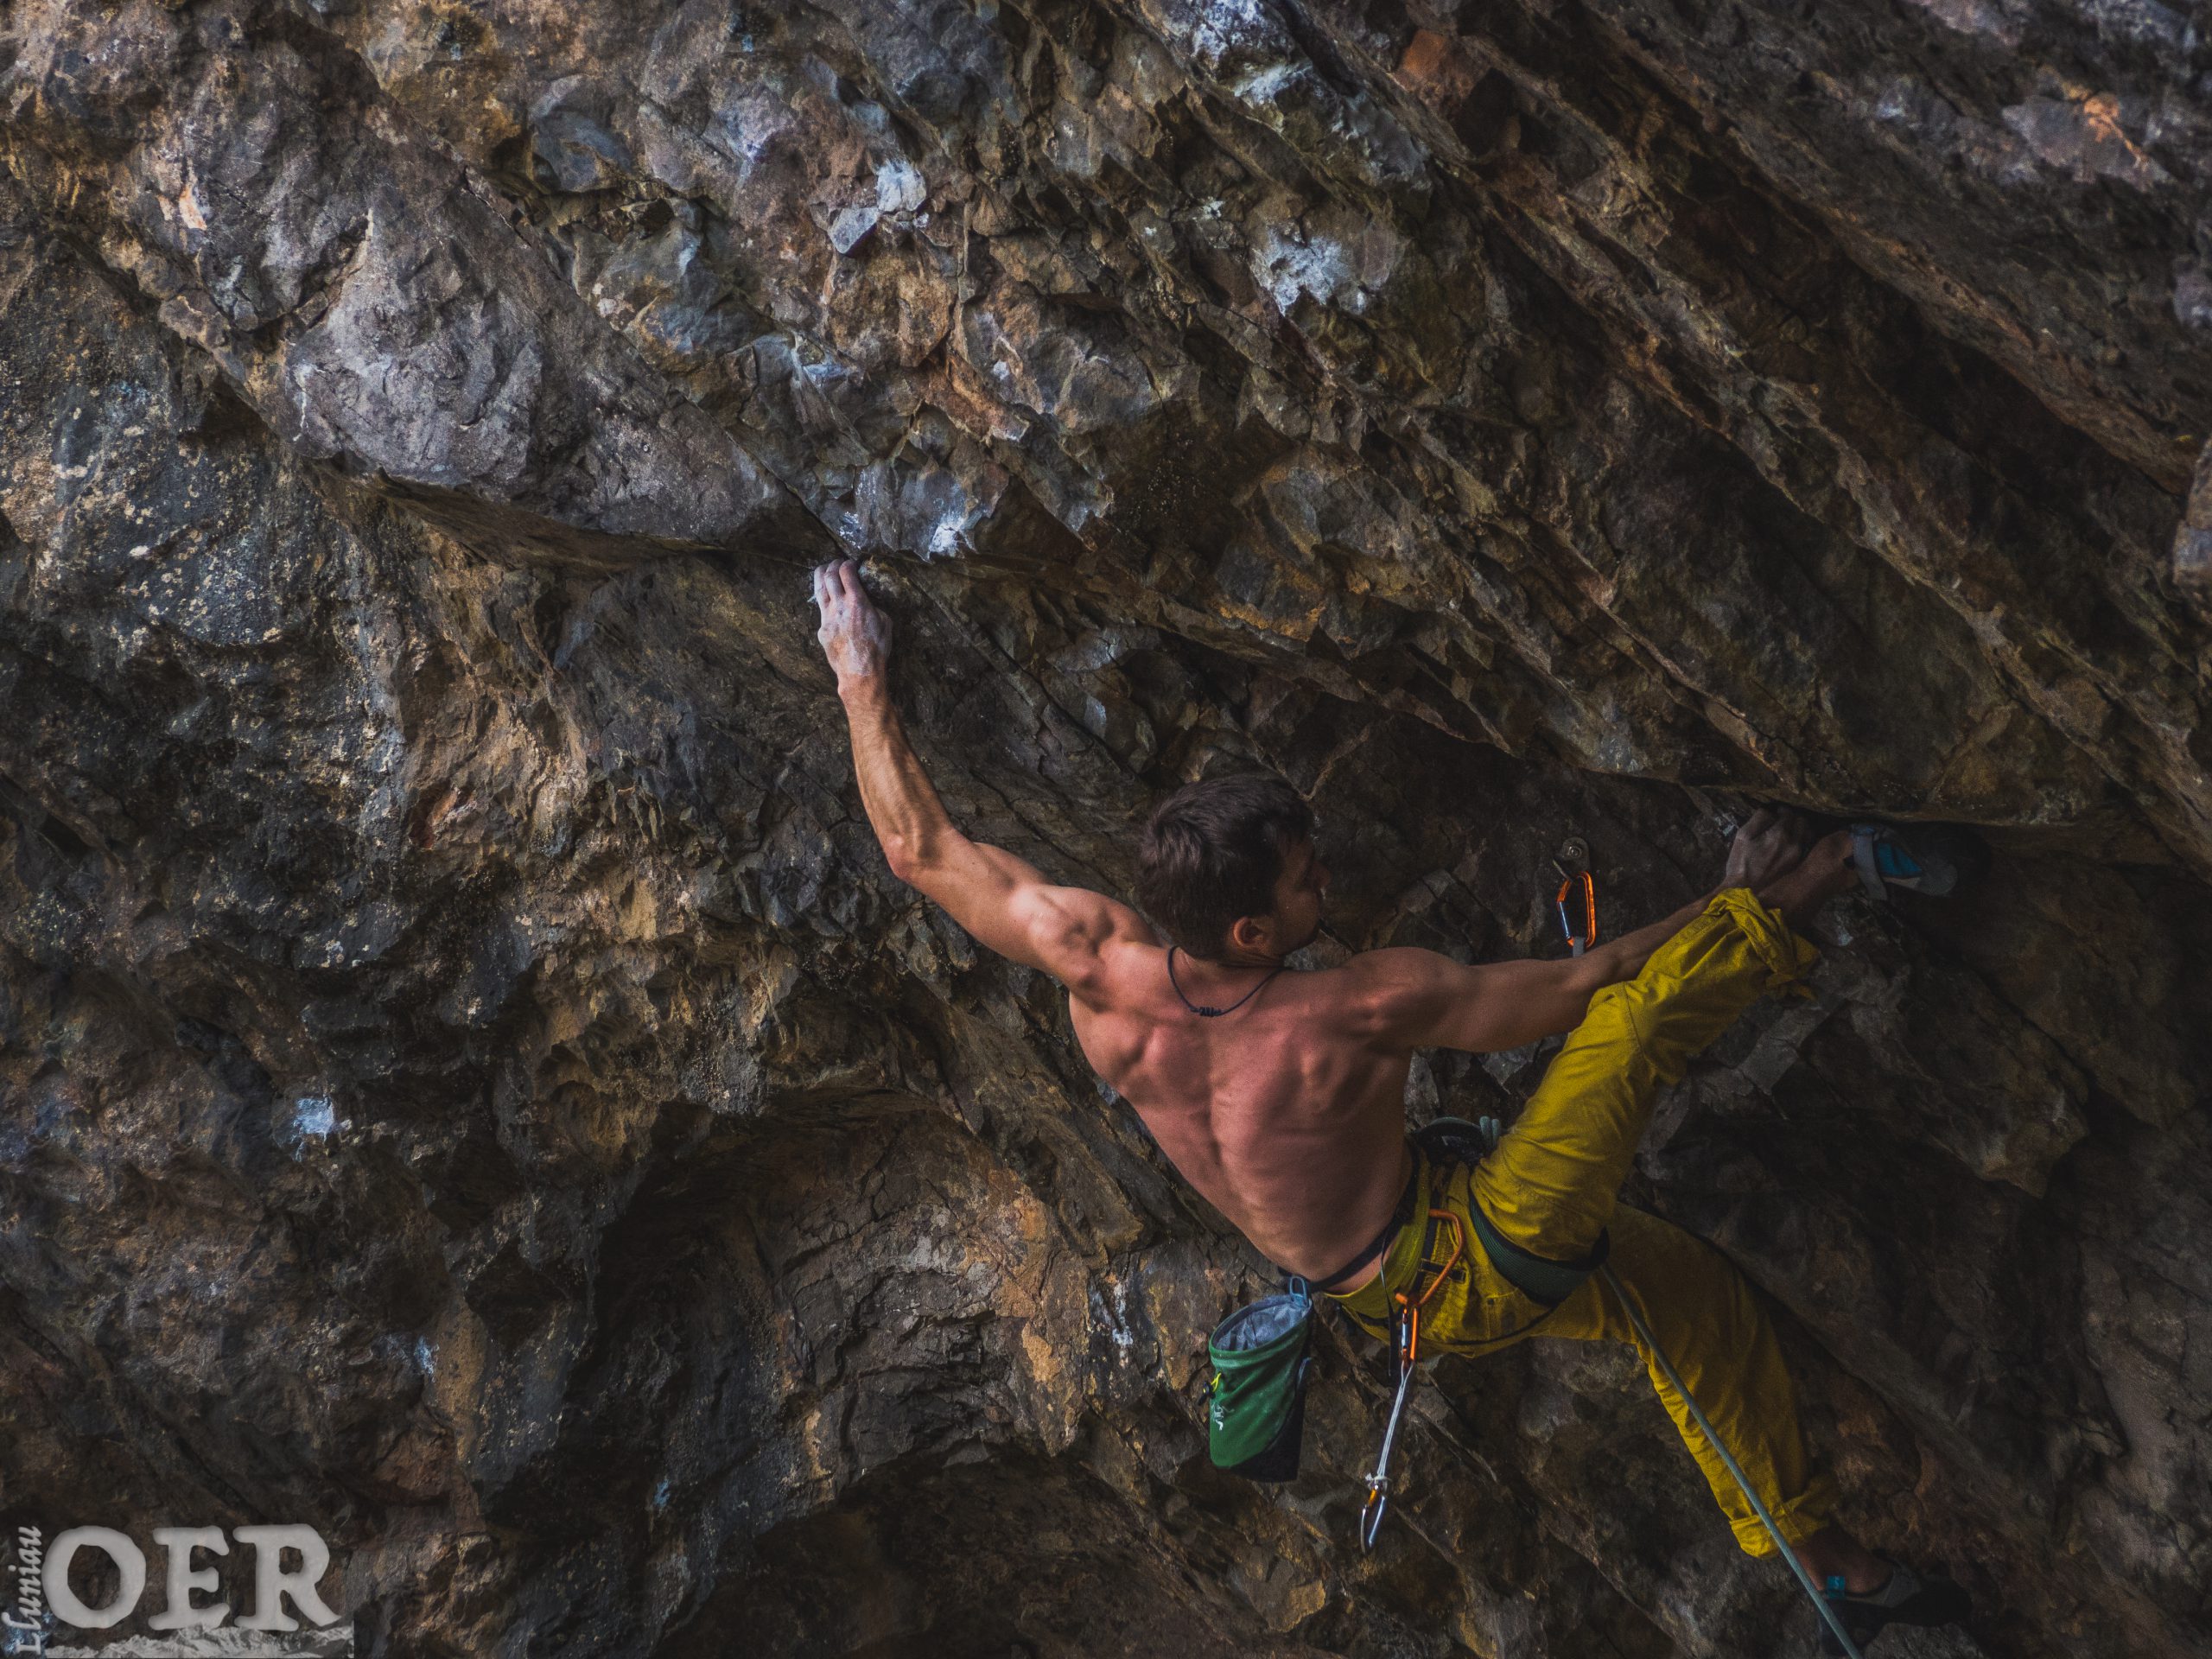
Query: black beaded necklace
x=1216 y=1013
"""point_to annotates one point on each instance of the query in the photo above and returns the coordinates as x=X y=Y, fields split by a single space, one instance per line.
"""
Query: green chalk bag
x=1256 y=1413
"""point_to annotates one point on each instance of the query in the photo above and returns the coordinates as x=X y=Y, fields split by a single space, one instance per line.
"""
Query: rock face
x=472 y=1084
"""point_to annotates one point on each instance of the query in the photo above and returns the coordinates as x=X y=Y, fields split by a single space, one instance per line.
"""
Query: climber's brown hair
x=1213 y=853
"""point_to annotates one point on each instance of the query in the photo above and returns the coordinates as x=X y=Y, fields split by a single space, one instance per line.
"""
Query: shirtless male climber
x=1281 y=1096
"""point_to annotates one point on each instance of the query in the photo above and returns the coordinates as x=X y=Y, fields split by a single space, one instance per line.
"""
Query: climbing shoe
x=1926 y=858
x=1906 y=1598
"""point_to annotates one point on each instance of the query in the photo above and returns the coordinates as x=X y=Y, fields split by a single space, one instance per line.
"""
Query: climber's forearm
x=901 y=803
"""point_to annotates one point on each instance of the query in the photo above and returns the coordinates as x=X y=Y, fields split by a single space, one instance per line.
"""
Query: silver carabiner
x=1370 y=1515
x=1378 y=1479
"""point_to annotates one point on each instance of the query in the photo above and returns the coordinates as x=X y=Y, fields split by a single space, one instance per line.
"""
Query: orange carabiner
x=1459 y=1250
x=1413 y=1309
x=1588 y=937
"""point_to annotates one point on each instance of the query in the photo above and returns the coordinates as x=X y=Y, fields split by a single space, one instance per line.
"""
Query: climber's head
x=1228 y=870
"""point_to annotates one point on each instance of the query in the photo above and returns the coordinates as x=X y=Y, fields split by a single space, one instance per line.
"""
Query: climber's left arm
x=1004 y=901
x=1010 y=907
x=1406 y=998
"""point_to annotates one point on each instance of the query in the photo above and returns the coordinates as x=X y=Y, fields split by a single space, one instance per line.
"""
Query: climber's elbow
x=897 y=855
x=907 y=858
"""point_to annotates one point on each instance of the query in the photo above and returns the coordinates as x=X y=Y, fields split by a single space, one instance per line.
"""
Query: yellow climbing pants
x=1551 y=1187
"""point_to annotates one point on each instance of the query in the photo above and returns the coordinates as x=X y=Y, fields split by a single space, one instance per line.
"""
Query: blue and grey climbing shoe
x=1906 y=1598
x=1927 y=858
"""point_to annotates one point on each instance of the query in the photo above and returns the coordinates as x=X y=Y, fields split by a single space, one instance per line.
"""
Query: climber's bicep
x=1008 y=906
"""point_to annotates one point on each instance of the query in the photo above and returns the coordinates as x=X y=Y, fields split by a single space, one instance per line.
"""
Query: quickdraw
x=1573 y=866
x=1588 y=937
x=1405 y=1327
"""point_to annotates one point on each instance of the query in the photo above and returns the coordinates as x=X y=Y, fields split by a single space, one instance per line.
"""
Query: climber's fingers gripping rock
x=1768 y=844
x=854 y=635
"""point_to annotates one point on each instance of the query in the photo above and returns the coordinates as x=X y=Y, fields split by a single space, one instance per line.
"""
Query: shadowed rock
x=468 y=1080
x=369 y=299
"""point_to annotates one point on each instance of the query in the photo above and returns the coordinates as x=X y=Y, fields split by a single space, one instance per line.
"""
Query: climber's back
x=1285 y=1112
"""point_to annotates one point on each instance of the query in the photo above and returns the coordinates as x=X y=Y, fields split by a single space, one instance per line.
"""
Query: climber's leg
x=1722 y=1346
x=1550 y=1186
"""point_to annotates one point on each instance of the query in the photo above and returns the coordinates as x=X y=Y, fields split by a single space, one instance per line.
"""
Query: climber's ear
x=1252 y=933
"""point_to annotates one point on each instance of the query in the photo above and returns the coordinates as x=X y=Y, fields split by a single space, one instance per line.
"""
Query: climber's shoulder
x=1075 y=934
x=1009 y=906
x=1378 y=991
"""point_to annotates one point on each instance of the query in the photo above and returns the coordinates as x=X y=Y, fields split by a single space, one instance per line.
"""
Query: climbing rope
x=1574 y=866
x=1666 y=1368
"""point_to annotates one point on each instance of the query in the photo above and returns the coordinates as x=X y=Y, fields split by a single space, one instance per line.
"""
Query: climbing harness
x=1255 y=1416
x=1406 y=1333
x=1573 y=866
x=1666 y=1368
x=1544 y=1279
x=1205 y=1013
x=1546 y=1282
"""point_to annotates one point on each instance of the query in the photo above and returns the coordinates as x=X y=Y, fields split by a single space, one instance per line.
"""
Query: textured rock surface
x=470 y=1082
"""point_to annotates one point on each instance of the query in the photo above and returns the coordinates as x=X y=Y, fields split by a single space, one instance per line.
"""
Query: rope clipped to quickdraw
x=1405 y=1332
